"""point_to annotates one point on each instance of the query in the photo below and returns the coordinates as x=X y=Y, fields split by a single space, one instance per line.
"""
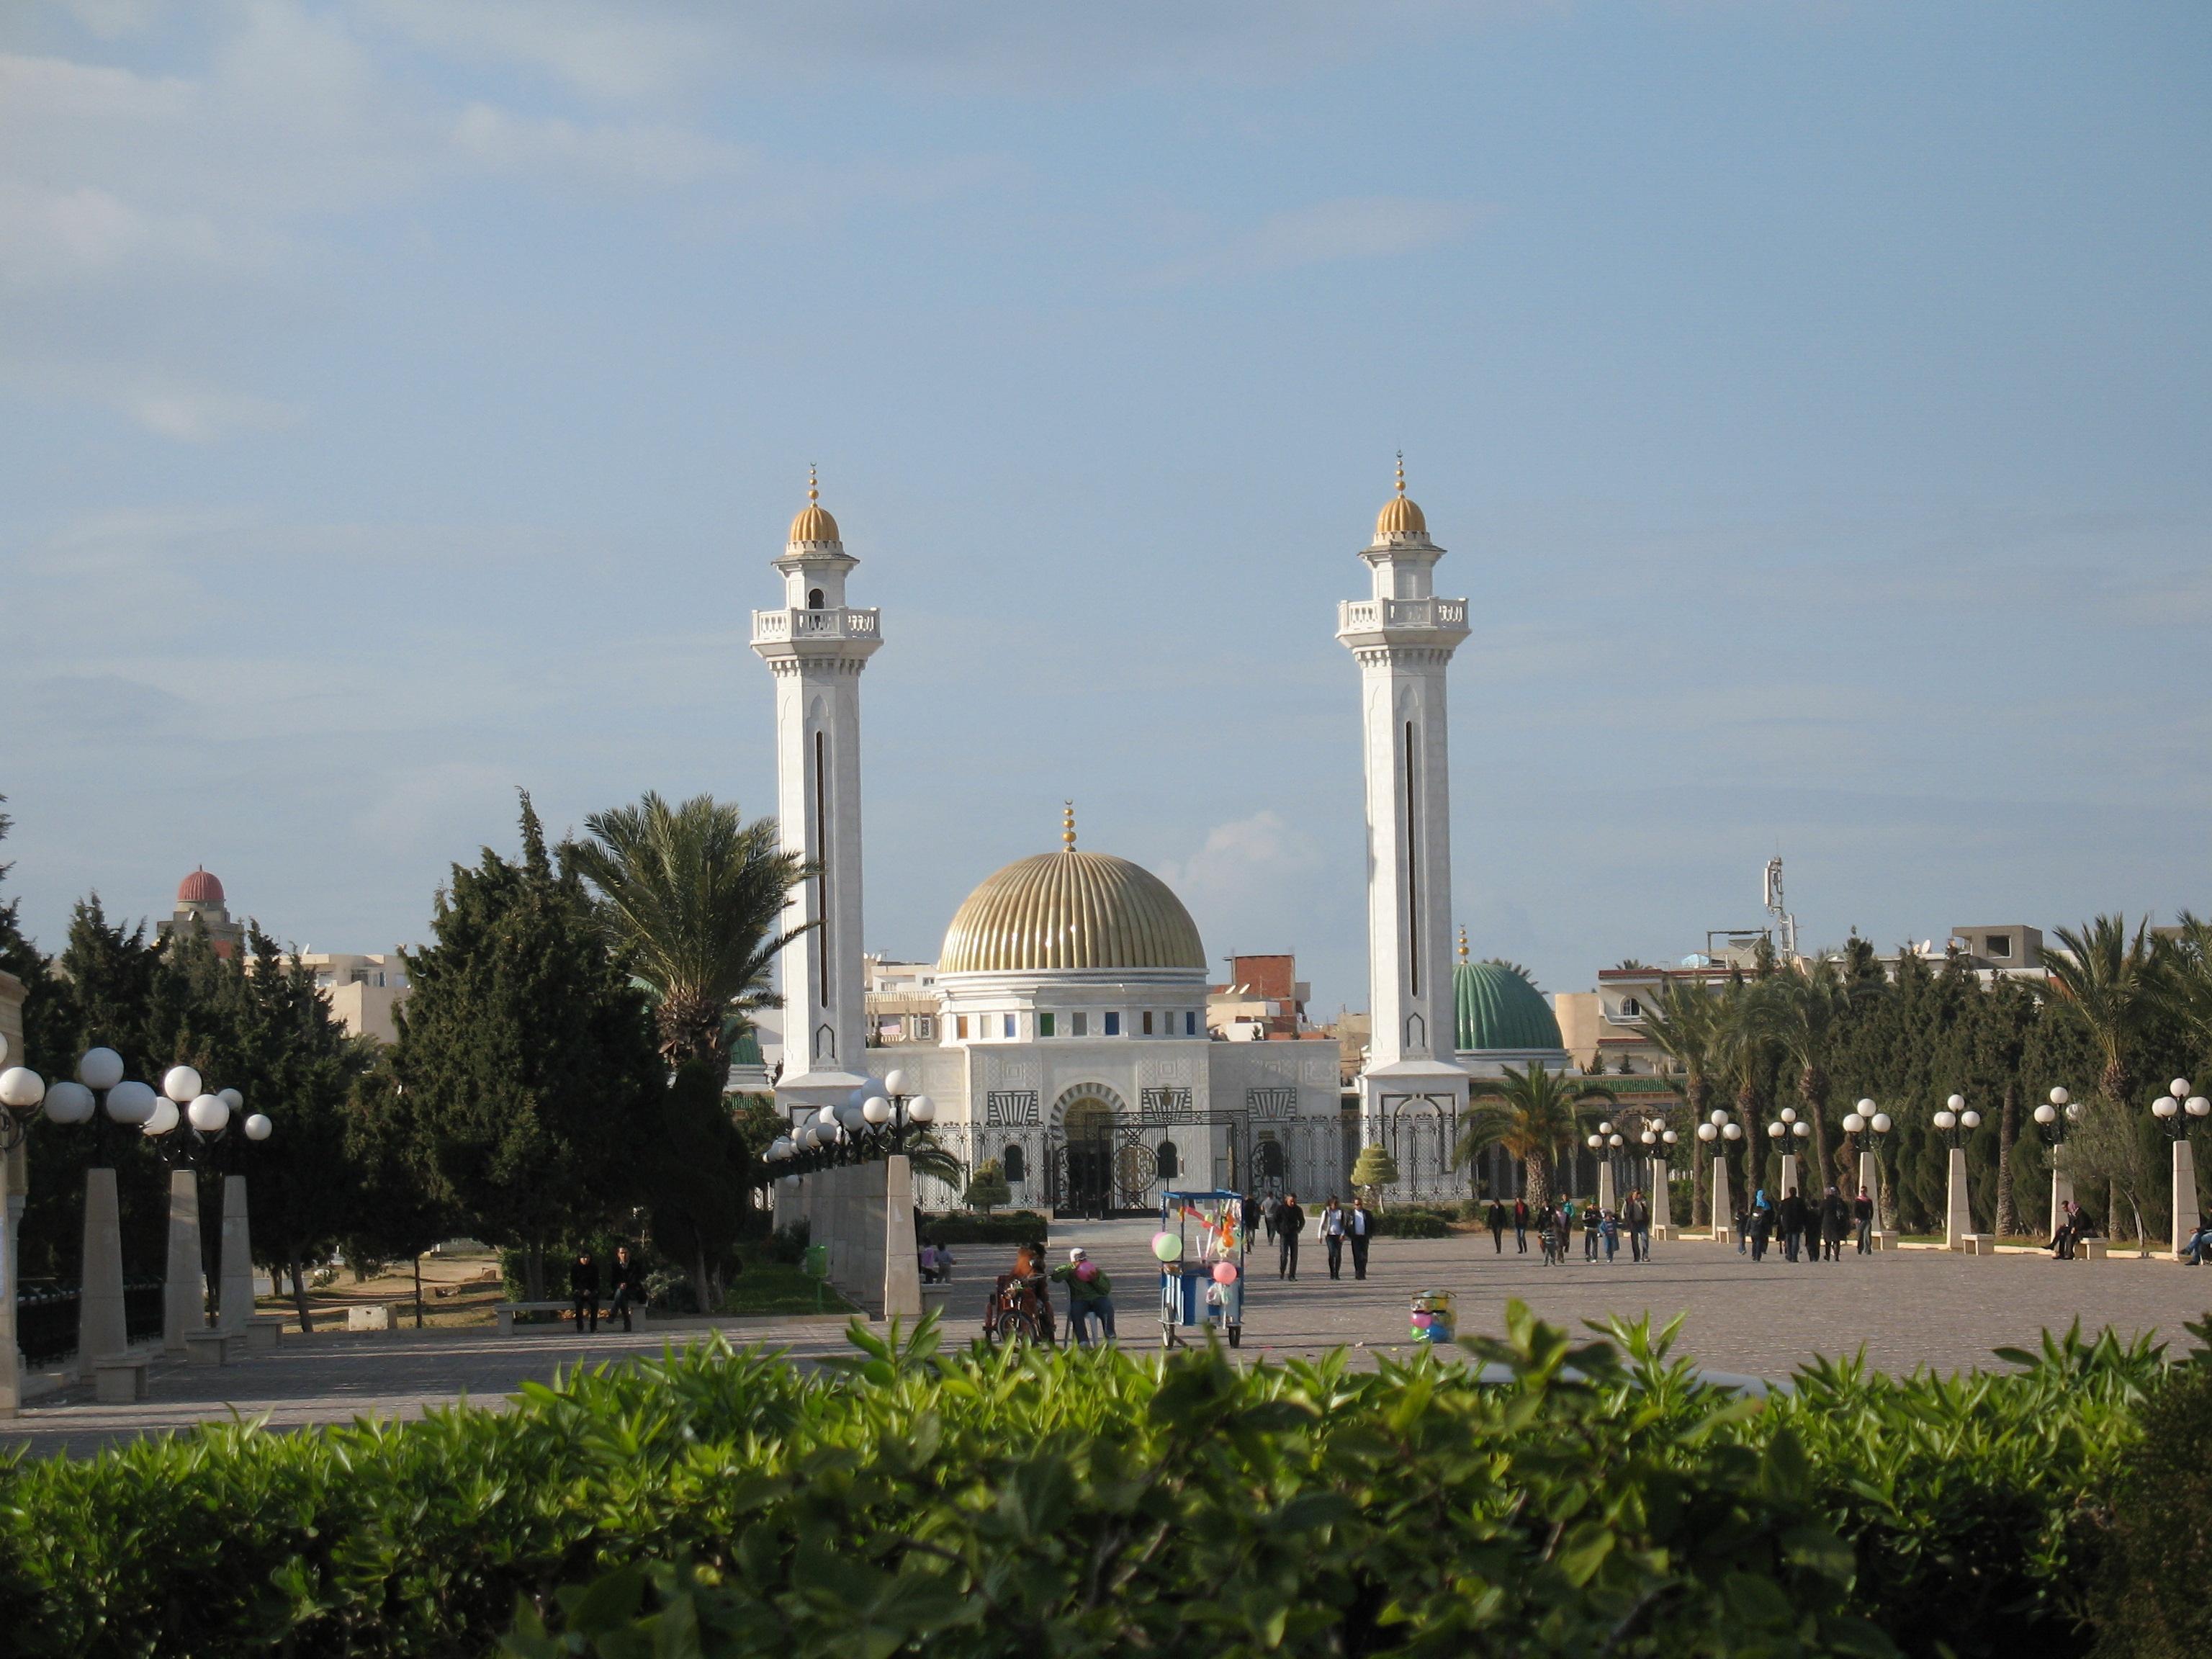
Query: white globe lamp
x=68 y=1102
x=895 y=1082
x=876 y=1110
x=1879 y=1123
x=257 y=1127
x=181 y=1084
x=922 y=1109
x=22 y=1089
x=209 y=1114
x=164 y=1120
x=100 y=1069
x=130 y=1103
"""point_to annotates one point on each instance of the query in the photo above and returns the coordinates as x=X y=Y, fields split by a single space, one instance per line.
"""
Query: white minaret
x=816 y=647
x=1403 y=638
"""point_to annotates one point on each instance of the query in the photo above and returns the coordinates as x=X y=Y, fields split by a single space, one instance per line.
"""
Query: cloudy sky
x=402 y=400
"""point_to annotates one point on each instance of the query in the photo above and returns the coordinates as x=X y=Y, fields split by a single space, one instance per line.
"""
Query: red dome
x=199 y=888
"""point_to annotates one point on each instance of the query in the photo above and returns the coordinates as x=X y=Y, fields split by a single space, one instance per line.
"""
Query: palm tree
x=1743 y=1042
x=1680 y=1020
x=1531 y=1115
x=693 y=897
x=1802 y=1008
x=2188 y=981
x=2119 y=985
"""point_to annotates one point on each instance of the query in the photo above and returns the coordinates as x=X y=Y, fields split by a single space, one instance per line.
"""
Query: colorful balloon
x=1225 y=1272
x=1168 y=1247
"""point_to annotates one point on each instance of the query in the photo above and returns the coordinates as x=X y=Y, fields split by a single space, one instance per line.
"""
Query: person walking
x=1762 y=1223
x=1792 y=1219
x=1593 y=1221
x=1359 y=1228
x=584 y=1289
x=1089 y=1296
x=1496 y=1220
x=1270 y=1208
x=1743 y=1214
x=1636 y=1220
x=1608 y=1229
x=1835 y=1217
x=1521 y=1226
x=1247 y=1217
x=1290 y=1222
x=1862 y=1220
x=1331 y=1236
x=627 y=1280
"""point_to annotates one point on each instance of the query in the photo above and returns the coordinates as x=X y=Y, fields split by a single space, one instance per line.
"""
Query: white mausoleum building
x=1069 y=1037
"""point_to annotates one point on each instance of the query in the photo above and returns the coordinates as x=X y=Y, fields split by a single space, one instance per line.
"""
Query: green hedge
x=999 y=1227
x=1591 y=1500
x=1413 y=1221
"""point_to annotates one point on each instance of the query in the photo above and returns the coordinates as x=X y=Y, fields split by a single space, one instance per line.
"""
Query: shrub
x=989 y=1188
x=1973 y=1500
x=1591 y=1500
x=1008 y=1227
x=2152 y=1599
x=1413 y=1221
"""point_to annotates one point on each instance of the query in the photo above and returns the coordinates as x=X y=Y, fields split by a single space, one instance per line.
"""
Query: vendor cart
x=1201 y=1234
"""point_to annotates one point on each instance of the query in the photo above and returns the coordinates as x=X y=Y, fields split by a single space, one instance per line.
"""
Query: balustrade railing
x=1400 y=613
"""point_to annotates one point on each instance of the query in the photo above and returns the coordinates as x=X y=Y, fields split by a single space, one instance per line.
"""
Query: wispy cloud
x=1352 y=228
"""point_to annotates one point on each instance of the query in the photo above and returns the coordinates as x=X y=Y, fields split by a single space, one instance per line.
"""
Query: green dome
x=1498 y=1008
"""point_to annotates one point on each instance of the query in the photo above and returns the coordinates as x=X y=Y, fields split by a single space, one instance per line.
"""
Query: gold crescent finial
x=1401 y=472
x=814 y=486
x=1463 y=942
x=1067 y=825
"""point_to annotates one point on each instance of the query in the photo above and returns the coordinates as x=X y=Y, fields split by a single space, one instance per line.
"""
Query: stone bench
x=212 y=1347
x=375 y=1317
x=2093 y=1249
x=263 y=1334
x=119 y=1381
x=937 y=1298
x=507 y=1311
x=1881 y=1240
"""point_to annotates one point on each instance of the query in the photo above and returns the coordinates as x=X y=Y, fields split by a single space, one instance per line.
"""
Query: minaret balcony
x=1412 y=620
x=799 y=627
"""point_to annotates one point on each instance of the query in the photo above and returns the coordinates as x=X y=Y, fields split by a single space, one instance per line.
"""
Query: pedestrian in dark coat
x=1520 y=1225
x=584 y=1289
x=1496 y=1220
x=1290 y=1222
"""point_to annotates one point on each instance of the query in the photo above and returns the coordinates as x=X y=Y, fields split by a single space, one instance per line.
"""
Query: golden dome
x=1070 y=910
x=813 y=523
x=1400 y=516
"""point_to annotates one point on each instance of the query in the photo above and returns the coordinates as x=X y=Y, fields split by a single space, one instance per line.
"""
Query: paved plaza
x=1907 y=1309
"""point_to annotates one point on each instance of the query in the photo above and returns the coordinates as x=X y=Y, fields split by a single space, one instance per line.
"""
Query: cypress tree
x=527 y=1055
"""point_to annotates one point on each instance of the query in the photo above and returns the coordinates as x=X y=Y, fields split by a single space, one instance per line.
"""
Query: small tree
x=1374 y=1168
x=2113 y=1147
x=987 y=1188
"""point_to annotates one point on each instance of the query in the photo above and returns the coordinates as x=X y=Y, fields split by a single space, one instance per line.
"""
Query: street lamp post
x=22 y=1092
x=1716 y=1132
x=2052 y=1118
x=1785 y=1132
x=187 y=1104
x=2174 y=1109
x=1656 y=1137
x=1957 y=1121
x=1865 y=1118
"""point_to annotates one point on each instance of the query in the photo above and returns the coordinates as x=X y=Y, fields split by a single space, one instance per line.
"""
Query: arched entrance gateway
x=1086 y=1157
x=1107 y=1162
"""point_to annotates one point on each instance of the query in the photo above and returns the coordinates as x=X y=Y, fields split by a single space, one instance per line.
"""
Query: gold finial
x=1463 y=942
x=1401 y=472
x=1067 y=825
x=814 y=484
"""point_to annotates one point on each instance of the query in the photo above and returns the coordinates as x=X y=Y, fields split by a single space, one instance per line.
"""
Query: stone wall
x=863 y=1214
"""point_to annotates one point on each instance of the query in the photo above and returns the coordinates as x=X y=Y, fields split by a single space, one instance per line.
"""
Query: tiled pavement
x=1905 y=1310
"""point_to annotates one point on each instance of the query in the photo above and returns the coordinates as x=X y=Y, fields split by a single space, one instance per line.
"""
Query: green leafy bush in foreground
x=1592 y=1500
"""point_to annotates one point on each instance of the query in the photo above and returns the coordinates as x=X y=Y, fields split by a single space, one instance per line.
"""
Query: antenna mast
x=1785 y=925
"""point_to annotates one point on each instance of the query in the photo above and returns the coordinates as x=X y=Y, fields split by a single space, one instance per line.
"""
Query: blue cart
x=1209 y=1229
